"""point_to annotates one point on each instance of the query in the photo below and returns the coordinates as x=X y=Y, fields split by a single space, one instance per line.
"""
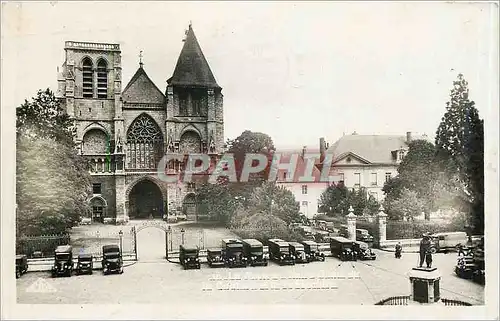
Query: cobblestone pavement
x=330 y=282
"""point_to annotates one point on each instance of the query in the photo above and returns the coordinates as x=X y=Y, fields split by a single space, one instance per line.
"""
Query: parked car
x=232 y=252
x=279 y=251
x=214 y=257
x=297 y=250
x=363 y=235
x=63 y=261
x=343 y=231
x=85 y=264
x=254 y=252
x=363 y=251
x=448 y=241
x=312 y=249
x=21 y=265
x=342 y=248
x=112 y=259
x=189 y=257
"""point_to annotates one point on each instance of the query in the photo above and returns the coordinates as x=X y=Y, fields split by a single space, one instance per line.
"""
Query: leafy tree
x=52 y=181
x=460 y=148
x=334 y=199
x=372 y=206
x=406 y=206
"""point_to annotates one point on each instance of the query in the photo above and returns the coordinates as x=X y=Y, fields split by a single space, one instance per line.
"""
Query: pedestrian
x=398 y=250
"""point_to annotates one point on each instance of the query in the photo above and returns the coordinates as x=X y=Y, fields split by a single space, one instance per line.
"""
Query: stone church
x=125 y=133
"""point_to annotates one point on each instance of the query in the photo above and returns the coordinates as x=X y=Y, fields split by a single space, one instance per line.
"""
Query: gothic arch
x=95 y=141
x=86 y=57
x=190 y=142
x=95 y=126
x=145 y=198
x=99 y=208
x=102 y=58
x=190 y=127
x=144 y=143
x=189 y=206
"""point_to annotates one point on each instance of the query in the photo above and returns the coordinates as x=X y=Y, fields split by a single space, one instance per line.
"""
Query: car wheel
x=18 y=275
x=91 y=272
x=433 y=250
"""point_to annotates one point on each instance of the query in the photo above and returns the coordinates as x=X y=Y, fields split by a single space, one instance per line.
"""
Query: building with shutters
x=125 y=133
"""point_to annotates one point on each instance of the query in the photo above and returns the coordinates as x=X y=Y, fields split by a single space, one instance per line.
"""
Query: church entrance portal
x=145 y=201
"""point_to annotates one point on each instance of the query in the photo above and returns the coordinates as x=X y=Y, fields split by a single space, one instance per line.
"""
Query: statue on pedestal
x=425 y=251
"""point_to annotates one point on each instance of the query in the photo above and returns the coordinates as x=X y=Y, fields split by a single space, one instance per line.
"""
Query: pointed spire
x=140 y=59
x=192 y=68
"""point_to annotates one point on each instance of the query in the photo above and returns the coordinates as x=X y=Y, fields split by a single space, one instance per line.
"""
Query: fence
x=41 y=246
x=449 y=302
x=405 y=299
x=176 y=237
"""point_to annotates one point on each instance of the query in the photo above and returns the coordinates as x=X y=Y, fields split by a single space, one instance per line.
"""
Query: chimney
x=408 y=137
x=304 y=151
x=322 y=146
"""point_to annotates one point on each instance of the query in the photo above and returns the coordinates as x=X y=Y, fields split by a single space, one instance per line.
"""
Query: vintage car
x=279 y=251
x=443 y=242
x=63 y=261
x=342 y=248
x=363 y=235
x=189 y=257
x=254 y=252
x=298 y=251
x=214 y=258
x=21 y=265
x=343 y=231
x=85 y=264
x=111 y=259
x=466 y=266
x=312 y=249
x=363 y=251
x=232 y=252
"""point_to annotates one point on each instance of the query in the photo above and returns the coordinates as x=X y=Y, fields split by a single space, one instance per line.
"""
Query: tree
x=460 y=148
x=52 y=181
x=406 y=206
x=334 y=197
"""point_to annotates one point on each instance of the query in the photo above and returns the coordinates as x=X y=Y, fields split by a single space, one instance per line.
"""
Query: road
x=329 y=282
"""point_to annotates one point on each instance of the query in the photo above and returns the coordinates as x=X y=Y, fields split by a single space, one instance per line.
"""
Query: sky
x=296 y=71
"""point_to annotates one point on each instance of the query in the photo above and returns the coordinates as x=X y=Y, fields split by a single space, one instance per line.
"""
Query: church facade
x=125 y=133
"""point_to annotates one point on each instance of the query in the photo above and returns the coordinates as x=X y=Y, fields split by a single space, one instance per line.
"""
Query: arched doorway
x=152 y=242
x=98 y=207
x=189 y=206
x=145 y=201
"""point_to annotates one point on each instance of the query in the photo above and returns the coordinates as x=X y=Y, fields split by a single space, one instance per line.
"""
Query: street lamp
x=169 y=229
x=121 y=242
x=182 y=235
x=270 y=217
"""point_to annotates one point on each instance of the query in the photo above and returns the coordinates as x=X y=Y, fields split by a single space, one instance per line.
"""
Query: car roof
x=295 y=244
x=110 y=247
x=231 y=241
x=214 y=250
x=189 y=248
x=341 y=239
x=64 y=248
x=252 y=242
x=309 y=242
x=20 y=256
x=279 y=242
x=85 y=255
x=361 y=229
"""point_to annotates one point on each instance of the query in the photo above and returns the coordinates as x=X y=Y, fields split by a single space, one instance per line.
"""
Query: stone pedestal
x=424 y=286
x=351 y=224
x=382 y=227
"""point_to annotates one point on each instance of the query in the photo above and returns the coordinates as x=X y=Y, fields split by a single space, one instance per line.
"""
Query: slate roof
x=141 y=89
x=375 y=149
x=192 y=68
x=299 y=168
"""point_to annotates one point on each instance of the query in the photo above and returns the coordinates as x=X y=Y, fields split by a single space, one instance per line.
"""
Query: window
x=284 y=175
x=373 y=179
x=144 y=143
x=387 y=176
x=96 y=188
x=88 y=78
x=357 y=179
x=102 y=79
x=191 y=185
x=304 y=189
x=183 y=103
x=341 y=177
x=304 y=203
x=374 y=195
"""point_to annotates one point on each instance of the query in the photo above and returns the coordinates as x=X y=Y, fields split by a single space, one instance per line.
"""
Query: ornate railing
x=92 y=45
x=40 y=246
x=449 y=302
x=395 y=300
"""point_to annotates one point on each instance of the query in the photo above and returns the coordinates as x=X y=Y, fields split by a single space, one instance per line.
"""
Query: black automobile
x=21 y=265
x=297 y=250
x=363 y=235
x=63 y=261
x=189 y=257
x=85 y=264
x=312 y=250
x=279 y=251
x=214 y=258
x=342 y=248
x=232 y=251
x=363 y=251
x=111 y=259
x=254 y=252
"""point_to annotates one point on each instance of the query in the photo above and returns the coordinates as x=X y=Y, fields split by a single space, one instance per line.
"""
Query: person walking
x=398 y=251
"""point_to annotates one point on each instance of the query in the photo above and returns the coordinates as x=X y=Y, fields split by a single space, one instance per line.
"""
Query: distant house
x=367 y=160
x=304 y=182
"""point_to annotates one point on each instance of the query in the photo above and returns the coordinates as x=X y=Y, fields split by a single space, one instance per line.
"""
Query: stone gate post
x=351 y=224
x=382 y=227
